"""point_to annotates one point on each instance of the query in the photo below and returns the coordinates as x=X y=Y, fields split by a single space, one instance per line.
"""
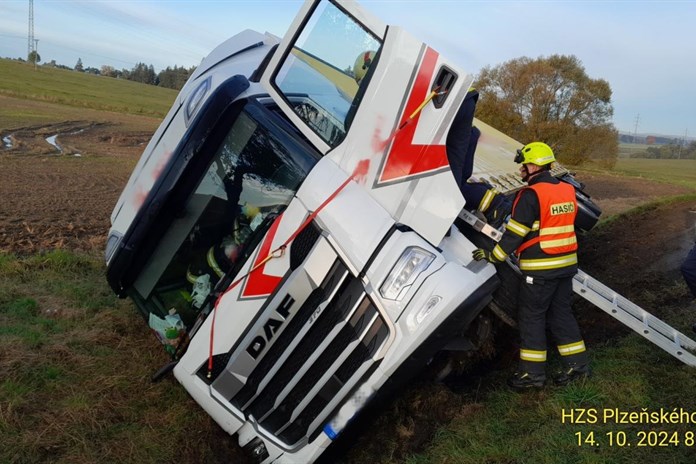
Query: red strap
x=361 y=170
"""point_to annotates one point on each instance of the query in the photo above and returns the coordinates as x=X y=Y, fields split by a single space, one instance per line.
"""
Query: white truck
x=289 y=231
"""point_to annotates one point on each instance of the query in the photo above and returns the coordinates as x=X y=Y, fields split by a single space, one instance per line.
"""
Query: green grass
x=81 y=90
x=680 y=172
x=626 y=150
x=75 y=365
x=529 y=427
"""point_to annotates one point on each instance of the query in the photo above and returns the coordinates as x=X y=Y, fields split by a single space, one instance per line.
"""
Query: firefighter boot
x=572 y=373
x=526 y=380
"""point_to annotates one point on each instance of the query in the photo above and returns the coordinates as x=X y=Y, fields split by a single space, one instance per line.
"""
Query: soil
x=53 y=200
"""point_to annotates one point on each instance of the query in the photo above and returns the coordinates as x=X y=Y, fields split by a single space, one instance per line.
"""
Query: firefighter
x=362 y=64
x=461 y=142
x=542 y=235
x=207 y=268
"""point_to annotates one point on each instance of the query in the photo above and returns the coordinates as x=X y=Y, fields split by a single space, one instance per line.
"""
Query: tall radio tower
x=31 y=44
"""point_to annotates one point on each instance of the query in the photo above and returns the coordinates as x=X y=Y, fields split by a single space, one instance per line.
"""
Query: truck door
x=362 y=93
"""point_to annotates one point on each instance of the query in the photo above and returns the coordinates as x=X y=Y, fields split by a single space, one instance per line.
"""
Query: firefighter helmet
x=535 y=153
x=362 y=64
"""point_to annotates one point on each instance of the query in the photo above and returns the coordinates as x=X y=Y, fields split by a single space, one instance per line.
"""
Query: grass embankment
x=530 y=428
x=76 y=365
x=76 y=361
x=76 y=89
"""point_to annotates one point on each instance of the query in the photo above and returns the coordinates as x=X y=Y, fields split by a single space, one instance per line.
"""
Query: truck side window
x=252 y=176
x=327 y=64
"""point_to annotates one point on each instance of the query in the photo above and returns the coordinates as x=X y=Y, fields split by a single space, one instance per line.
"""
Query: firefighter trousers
x=545 y=302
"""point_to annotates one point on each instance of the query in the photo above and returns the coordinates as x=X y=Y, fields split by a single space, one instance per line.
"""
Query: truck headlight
x=412 y=262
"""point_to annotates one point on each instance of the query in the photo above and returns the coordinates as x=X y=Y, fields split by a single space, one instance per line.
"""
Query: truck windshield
x=322 y=74
x=252 y=176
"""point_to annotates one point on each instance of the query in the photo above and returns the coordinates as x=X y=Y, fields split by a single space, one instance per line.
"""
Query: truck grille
x=317 y=360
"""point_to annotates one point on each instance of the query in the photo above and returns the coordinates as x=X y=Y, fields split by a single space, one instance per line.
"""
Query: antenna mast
x=31 y=45
x=635 y=129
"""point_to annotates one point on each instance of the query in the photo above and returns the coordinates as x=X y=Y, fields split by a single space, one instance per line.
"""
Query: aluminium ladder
x=619 y=307
x=633 y=316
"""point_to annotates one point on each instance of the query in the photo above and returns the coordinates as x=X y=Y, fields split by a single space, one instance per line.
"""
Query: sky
x=644 y=49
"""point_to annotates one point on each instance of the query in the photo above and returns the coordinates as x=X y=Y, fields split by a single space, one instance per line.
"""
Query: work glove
x=480 y=254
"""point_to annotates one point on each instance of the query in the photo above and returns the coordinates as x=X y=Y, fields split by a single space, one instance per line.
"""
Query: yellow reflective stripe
x=548 y=263
x=533 y=355
x=517 y=228
x=213 y=264
x=558 y=242
x=498 y=253
x=535 y=226
x=557 y=230
x=571 y=348
x=486 y=200
x=191 y=277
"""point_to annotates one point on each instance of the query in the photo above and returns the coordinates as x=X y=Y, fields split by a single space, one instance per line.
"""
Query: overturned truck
x=294 y=235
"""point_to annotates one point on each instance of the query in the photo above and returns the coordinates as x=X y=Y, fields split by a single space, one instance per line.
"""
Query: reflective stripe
x=213 y=264
x=571 y=348
x=557 y=230
x=558 y=242
x=533 y=355
x=486 y=200
x=535 y=226
x=498 y=253
x=548 y=263
x=557 y=217
x=517 y=228
x=191 y=277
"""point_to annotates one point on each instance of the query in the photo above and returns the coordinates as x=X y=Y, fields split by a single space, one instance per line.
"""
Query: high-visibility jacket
x=541 y=230
x=216 y=262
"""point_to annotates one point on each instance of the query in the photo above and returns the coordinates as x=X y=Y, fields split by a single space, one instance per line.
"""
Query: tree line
x=171 y=77
x=673 y=150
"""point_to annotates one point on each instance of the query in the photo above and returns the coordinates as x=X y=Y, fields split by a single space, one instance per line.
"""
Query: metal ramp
x=633 y=316
x=617 y=306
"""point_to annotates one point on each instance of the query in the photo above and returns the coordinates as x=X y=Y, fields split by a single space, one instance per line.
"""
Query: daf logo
x=270 y=328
